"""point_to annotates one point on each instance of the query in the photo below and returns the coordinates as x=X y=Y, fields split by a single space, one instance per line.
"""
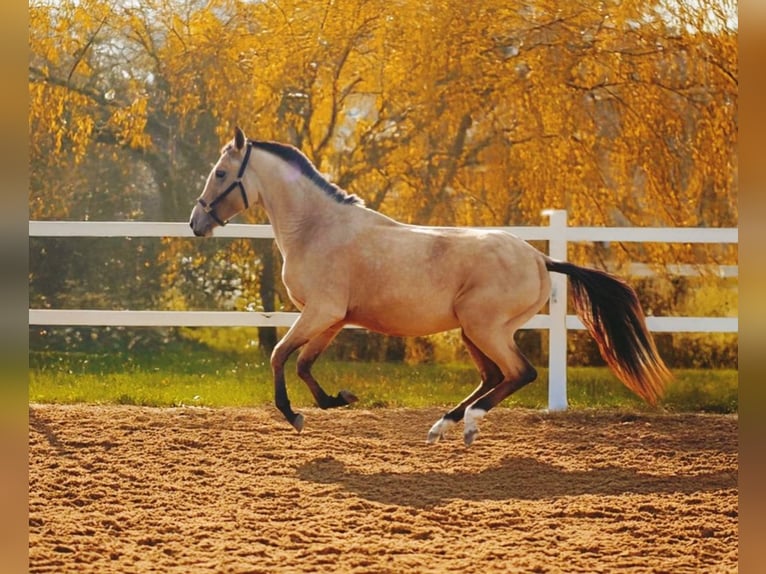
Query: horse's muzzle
x=200 y=222
x=197 y=232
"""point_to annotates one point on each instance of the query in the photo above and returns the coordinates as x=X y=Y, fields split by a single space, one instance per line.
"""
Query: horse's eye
x=220 y=174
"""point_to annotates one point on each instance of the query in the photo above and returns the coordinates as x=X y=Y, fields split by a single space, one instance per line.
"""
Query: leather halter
x=209 y=208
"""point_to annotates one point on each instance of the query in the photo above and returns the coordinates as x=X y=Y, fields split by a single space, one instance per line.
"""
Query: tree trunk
x=267 y=336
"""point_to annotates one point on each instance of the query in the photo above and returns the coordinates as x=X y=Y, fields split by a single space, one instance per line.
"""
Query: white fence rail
x=558 y=233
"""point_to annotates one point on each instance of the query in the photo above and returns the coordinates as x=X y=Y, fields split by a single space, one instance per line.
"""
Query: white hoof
x=437 y=431
x=471 y=419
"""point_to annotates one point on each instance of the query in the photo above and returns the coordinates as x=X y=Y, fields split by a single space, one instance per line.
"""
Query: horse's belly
x=405 y=320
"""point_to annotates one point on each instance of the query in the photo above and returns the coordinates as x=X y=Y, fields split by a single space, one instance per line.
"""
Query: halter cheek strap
x=209 y=208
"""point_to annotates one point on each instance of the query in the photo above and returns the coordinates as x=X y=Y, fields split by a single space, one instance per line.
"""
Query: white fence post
x=557 y=341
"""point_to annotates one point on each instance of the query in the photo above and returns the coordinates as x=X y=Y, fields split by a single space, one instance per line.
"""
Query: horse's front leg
x=309 y=325
x=308 y=355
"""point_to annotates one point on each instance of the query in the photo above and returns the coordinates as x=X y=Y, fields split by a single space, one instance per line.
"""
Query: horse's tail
x=610 y=310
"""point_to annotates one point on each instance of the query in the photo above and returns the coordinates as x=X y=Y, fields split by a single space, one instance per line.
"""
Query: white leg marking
x=437 y=431
x=470 y=419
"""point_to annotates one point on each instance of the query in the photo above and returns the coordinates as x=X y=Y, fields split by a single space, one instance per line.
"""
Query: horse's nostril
x=196 y=232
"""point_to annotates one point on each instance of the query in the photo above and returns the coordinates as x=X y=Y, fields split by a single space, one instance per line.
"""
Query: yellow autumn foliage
x=447 y=112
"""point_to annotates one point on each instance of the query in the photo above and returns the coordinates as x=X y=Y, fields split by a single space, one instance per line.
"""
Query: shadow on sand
x=515 y=478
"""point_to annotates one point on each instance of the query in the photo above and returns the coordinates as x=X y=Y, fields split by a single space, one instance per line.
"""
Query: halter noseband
x=209 y=208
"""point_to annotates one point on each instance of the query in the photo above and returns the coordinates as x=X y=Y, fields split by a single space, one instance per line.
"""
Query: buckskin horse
x=346 y=264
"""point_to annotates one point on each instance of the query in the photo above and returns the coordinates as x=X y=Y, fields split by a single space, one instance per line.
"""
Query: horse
x=344 y=263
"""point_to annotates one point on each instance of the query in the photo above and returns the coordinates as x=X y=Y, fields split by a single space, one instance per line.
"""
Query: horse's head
x=224 y=195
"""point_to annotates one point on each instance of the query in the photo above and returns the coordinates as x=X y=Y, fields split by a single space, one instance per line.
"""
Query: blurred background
x=624 y=113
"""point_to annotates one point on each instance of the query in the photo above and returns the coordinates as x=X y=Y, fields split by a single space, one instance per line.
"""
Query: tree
x=623 y=113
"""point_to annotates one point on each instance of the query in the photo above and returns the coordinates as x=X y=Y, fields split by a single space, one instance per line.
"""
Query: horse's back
x=411 y=280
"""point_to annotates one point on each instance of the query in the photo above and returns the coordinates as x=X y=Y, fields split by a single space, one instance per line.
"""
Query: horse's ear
x=239 y=138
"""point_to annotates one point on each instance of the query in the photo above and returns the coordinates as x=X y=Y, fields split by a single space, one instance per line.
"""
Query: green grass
x=182 y=375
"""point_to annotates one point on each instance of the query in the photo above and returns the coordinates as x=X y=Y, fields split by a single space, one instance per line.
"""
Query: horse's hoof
x=434 y=437
x=298 y=422
x=348 y=396
x=437 y=431
x=470 y=419
x=469 y=436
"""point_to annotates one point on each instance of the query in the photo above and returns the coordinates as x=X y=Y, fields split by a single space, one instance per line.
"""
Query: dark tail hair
x=610 y=310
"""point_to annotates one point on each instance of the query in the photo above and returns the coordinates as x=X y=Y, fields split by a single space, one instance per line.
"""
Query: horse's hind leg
x=517 y=372
x=491 y=376
x=493 y=332
x=494 y=338
x=306 y=358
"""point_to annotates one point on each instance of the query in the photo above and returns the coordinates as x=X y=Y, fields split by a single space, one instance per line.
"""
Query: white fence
x=558 y=233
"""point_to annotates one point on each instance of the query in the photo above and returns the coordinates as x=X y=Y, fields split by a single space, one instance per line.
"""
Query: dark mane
x=294 y=157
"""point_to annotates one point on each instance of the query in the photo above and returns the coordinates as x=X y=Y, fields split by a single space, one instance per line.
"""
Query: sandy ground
x=132 y=489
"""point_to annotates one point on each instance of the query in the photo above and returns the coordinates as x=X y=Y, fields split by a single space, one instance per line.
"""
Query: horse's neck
x=296 y=211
